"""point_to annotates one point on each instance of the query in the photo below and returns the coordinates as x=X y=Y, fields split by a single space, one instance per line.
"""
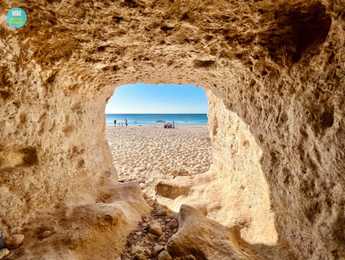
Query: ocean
x=152 y=119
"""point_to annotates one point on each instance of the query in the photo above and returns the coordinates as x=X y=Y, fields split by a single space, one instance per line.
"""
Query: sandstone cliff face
x=234 y=191
x=276 y=69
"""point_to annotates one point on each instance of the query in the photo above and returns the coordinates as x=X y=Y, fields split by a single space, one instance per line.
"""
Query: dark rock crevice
x=296 y=32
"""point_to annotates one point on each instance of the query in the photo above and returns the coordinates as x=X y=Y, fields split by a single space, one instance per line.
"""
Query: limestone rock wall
x=234 y=192
x=57 y=143
x=237 y=162
x=278 y=65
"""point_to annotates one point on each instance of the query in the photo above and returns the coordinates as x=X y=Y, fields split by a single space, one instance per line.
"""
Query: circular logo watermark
x=16 y=18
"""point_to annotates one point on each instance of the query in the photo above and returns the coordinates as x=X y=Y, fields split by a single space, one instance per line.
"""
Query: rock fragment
x=172 y=190
x=157 y=249
x=172 y=224
x=155 y=228
x=139 y=253
x=4 y=252
x=206 y=239
x=164 y=255
x=14 y=241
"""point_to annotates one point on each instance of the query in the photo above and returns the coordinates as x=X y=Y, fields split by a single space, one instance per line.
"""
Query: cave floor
x=147 y=155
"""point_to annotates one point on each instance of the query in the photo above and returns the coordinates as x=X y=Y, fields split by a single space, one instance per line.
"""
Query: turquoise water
x=151 y=119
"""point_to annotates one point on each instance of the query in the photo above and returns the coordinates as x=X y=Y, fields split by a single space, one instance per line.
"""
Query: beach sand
x=149 y=153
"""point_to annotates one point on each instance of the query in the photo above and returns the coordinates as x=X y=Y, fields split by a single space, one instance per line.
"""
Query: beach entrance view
x=239 y=156
x=156 y=133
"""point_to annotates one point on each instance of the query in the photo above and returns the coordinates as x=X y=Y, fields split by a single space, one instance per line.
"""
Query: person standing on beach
x=126 y=122
x=115 y=122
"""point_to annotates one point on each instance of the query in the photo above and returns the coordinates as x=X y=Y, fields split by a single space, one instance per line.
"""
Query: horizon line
x=155 y=113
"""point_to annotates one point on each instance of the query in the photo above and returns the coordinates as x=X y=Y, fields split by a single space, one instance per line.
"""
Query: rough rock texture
x=87 y=231
x=236 y=162
x=201 y=238
x=145 y=243
x=205 y=239
x=278 y=65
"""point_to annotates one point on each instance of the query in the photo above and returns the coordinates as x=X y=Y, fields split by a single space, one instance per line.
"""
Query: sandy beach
x=147 y=153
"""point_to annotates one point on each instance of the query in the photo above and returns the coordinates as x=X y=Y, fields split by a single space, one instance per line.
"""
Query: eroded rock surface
x=244 y=200
x=205 y=239
x=146 y=243
x=199 y=237
x=278 y=65
x=89 y=231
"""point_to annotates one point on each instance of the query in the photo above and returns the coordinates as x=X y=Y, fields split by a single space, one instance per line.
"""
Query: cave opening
x=206 y=161
x=158 y=131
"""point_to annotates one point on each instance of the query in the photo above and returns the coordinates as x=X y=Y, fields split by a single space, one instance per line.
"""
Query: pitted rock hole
x=297 y=32
x=327 y=118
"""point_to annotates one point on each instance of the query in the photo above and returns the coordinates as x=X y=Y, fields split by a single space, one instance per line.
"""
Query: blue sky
x=157 y=98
